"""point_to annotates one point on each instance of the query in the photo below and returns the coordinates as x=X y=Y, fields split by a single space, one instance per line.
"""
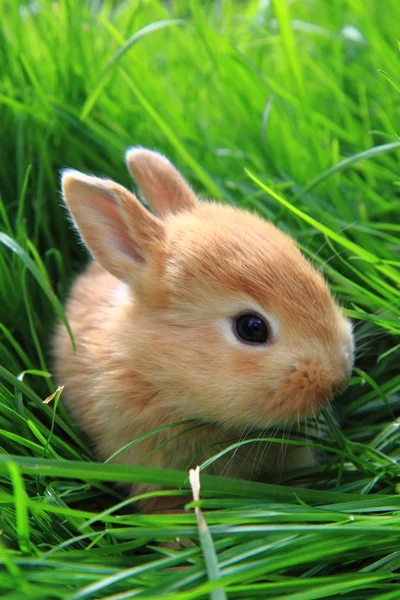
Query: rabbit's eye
x=251 y=328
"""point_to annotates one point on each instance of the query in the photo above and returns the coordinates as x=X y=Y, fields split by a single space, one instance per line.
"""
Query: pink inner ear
x=108 y=213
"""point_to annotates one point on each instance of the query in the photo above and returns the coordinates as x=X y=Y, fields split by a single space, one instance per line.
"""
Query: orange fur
x=153 y=335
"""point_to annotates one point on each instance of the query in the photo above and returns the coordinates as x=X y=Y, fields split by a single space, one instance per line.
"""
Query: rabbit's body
x=105 y=393
x=206 y=313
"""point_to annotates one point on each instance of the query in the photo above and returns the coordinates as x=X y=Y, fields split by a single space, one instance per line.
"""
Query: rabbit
x=197 y=310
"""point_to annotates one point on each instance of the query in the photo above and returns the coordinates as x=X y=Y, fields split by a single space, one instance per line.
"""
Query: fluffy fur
x=152 y=320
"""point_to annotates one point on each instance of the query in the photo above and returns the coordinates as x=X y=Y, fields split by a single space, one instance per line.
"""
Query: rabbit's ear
x=115 y=226
x=161 y=184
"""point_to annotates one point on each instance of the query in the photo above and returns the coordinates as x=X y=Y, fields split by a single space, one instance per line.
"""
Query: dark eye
x=251 y=328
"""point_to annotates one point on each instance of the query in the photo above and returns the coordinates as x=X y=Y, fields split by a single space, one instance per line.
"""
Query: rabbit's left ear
x=162 y=185
x=117 y=229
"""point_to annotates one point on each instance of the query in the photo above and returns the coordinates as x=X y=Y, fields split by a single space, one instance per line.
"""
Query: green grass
x=291 y=109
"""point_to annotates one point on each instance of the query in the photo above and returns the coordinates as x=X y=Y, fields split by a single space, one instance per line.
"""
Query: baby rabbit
x=199 y=311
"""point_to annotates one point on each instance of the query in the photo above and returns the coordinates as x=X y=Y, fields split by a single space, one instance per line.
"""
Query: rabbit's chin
x=278 y=410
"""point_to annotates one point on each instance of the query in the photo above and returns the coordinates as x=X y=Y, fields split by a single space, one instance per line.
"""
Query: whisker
x=246 y=430
x=267 y=446
x=252 y=428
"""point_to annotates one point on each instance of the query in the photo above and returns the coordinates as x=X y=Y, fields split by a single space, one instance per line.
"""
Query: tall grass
x=288 y=108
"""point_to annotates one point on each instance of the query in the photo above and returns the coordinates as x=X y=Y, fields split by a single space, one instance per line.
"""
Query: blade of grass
x=206 y=540
x=352 y=160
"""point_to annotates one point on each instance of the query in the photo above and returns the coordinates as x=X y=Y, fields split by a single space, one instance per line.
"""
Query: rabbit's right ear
x=119 y=232
x=160 y=182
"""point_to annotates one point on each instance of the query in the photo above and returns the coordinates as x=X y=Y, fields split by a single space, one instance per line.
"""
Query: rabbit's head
x=224 y=315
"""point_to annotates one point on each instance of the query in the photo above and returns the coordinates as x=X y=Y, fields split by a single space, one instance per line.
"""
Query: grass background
x=296 y=93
